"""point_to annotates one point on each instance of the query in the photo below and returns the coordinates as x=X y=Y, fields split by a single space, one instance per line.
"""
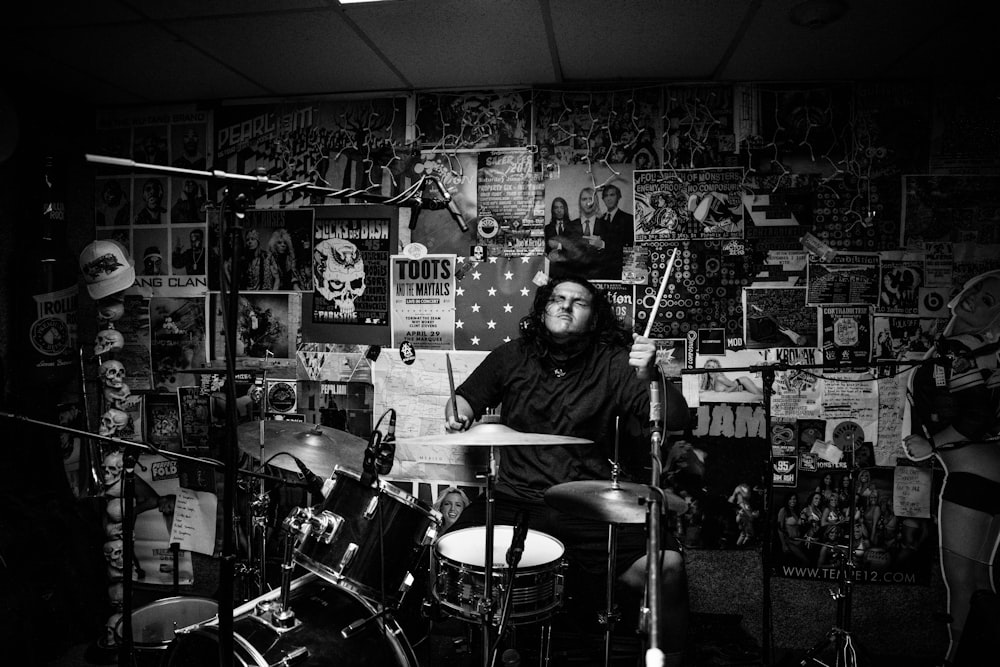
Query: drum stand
x=839 y=636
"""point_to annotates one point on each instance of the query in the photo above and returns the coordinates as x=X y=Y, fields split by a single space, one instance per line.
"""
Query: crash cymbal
x=621 y=502
x=493 y=434
x=320 y=448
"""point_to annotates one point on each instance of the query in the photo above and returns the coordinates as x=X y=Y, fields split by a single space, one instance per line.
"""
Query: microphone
x=451 y=206
x=656 y=405
x=313 y=483
x=371 y=454
x=387 y=447
x=455 y=213
x=516 y=549
x=511 y=658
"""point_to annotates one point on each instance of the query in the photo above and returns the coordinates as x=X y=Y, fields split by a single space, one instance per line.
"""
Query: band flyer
x=845 y=335
x=351 y=266
x=846 y=278
x=423 y=301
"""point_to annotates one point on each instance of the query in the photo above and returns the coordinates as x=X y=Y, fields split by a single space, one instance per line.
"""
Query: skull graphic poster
x=423 y=301
x=350 y=261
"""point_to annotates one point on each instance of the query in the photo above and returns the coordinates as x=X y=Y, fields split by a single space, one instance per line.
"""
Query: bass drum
x=322 y=611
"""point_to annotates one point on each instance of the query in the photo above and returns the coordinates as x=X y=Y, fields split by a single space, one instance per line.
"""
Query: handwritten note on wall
x=194 y=521
x=911 y=494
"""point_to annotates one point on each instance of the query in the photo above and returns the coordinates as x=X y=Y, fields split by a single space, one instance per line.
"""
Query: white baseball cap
x=107 y=268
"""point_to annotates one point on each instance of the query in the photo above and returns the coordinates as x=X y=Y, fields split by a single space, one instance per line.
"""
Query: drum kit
x=362 y=543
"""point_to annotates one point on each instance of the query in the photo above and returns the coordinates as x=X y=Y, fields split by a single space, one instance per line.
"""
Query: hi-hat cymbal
x=320 y=448
x=493 y=434
x=621 y=502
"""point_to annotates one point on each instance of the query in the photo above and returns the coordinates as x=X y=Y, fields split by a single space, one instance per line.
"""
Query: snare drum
x=459 y=574
x=361 y=532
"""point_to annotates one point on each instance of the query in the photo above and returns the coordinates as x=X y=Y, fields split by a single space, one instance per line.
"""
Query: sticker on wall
x=282 y=396
x=407 y=352
x=933 y=302
x=487 y=227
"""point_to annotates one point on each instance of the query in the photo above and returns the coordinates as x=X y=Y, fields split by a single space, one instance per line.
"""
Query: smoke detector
x=815 y=14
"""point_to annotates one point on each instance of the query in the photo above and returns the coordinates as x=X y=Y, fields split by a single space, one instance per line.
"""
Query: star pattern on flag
x=491 y=299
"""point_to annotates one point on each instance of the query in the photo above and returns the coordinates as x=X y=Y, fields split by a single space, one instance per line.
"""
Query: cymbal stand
x=611 y=615
x=839 y=636
x=486 y=604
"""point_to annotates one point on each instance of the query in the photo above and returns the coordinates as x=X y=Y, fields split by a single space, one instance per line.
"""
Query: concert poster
x=352 y=246
x=688 y=204
x=846 y=278
x=506 y=193
x=423 y=301
x=341 y=145
x=845 y=335
x=276 y=255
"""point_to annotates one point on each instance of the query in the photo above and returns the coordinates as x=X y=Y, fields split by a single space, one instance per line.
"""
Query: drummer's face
x=569 y=310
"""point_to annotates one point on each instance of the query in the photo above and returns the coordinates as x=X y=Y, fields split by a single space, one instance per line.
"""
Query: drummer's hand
x=642 y=356
x=461 y=422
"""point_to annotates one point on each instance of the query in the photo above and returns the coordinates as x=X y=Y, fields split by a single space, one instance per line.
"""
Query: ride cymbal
x=495 y=435
x=621 y=502
x=320 y=448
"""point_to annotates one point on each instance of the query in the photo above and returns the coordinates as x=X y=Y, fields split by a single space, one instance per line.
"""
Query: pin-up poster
x=688 y=204
x=352 y=245
x=423 y=301
x=814 y=530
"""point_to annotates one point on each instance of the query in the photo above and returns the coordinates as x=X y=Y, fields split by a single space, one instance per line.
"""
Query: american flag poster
x=491 y=297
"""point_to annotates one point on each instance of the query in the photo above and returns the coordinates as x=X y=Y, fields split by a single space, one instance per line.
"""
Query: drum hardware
x=839 y=637
x=491 y=433
x=239 y=191
x=513 y=558
x=260 y=641
x=130 y=449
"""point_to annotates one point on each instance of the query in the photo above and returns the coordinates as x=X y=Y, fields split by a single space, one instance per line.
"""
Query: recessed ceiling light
x=358 y=2
x=817 y=13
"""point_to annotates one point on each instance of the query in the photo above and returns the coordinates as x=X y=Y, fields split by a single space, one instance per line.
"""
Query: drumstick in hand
x=451 y=384
x=659 y=295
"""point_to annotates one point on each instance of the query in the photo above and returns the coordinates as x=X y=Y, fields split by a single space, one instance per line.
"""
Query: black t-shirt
x=578 y=398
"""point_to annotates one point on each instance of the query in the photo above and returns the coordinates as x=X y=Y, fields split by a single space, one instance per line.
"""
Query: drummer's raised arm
x=466 y=415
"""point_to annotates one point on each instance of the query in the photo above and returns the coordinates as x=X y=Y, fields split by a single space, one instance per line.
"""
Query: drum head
x=468 y=546
x=155 y=623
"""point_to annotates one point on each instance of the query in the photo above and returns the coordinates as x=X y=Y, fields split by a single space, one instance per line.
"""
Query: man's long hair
x=605 y=327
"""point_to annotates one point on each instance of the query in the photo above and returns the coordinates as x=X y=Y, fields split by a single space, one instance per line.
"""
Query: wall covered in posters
x=845 y=252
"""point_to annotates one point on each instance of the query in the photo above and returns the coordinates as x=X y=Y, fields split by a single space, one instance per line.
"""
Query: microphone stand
x=234 y=206
x=378 y=461
x=130 y=457
x=654 y=506
x=128 y=552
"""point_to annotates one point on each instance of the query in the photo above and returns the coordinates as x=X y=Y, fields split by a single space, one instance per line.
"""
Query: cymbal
x=621 y=502
x=493 y=434
x=320 y=448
